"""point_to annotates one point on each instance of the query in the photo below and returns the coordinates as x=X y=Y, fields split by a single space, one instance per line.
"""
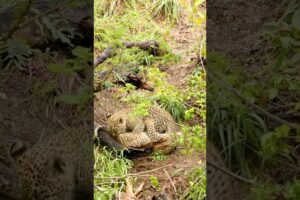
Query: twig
x=137 y=174
x=171 y=182
x=232 y=174
x=129 y=189
x=107 y=53
x=149 y=171
x=140 y=188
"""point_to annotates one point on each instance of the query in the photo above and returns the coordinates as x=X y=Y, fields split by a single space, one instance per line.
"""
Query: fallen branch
x=151 y=46
x=139 y=189
x=107 y=53
x=229 y=173
x=129 y=189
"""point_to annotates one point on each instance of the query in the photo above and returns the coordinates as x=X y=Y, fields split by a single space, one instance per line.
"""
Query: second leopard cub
x=131 y=131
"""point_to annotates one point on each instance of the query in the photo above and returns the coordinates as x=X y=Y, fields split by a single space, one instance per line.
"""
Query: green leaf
x=154 y=181
x=54 y=25
x=83 y=53
x=81 y=97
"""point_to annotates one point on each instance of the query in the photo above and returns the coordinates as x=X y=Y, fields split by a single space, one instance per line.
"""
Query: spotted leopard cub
x=59 y=167
x=136 y=132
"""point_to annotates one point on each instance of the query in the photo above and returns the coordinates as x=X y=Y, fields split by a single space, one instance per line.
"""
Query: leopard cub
x=156 y=127
x=59 y=167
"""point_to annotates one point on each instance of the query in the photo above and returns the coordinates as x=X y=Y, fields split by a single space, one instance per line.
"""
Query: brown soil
x=184 y=41
x=171 y=174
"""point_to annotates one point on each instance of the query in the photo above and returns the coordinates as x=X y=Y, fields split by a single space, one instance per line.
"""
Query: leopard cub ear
x=17 y=149
x=108 y=115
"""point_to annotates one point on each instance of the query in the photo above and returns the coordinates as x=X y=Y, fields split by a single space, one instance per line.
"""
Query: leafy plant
x=59 y=29
x=108 y=165
x=233 y=125
x=15 y=53
x=272 y=191
x=284 y=35
x=158 y=156
x=197 y=189
x=194 y=138
x=275 y=142
x=154 y=182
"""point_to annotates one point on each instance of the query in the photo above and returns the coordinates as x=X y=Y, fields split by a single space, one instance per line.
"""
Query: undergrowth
x=118 y=21
x=254 y=119
x=110 y=167
x=197 y=189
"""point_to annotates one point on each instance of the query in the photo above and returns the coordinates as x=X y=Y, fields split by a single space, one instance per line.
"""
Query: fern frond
x=15 y=53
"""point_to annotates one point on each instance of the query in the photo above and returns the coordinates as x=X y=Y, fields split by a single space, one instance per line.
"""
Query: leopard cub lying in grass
x=155 y=129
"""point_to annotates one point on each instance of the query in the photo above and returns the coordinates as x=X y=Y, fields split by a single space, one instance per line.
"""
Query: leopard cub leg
x=152 y=133
x=165 y=147
x=134 y=140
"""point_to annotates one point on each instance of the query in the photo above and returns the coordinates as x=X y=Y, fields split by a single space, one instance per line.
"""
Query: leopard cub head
x=43 y=173
x=116 y=124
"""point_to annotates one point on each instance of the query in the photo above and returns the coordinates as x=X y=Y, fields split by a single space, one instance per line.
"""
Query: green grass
x=168 y=8
x=109 y=167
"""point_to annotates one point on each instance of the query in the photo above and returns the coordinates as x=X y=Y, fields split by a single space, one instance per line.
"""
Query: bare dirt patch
x=171 y=174
x=183 y=41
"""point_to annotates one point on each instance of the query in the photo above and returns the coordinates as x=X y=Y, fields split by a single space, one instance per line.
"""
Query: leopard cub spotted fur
x=56 y=168
x=156 y=127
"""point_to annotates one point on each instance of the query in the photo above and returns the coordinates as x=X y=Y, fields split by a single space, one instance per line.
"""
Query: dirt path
x=170 y=173
x=183 y=41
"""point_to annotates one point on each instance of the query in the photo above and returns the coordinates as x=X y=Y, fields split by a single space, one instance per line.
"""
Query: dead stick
x=171 y=181
x=137 y=174
x=232 y=174
x=140 y=188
